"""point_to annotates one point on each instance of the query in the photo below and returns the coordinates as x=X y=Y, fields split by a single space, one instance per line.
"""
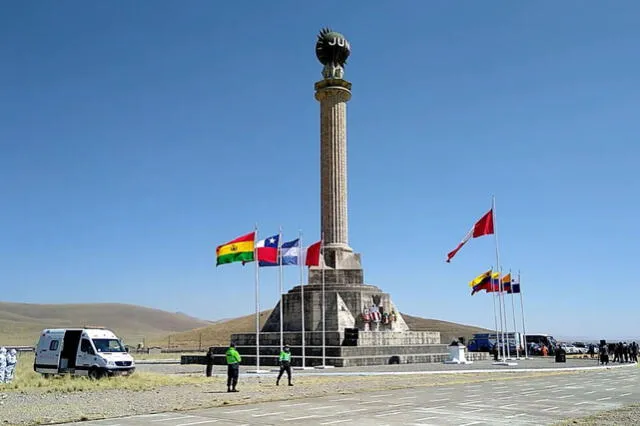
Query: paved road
x=534 y=401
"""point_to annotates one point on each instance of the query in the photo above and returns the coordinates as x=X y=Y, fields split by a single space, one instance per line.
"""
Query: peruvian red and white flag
x=482 y=227
x=312 y=257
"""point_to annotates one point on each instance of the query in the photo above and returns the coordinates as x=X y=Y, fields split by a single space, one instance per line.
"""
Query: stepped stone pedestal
x=344 y=306
x=350 y=340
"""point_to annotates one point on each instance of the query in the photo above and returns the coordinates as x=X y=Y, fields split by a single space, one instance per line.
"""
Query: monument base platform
x=341 y=350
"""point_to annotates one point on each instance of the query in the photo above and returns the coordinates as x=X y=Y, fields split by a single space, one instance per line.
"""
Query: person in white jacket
x=3 y=363
x=12 y=360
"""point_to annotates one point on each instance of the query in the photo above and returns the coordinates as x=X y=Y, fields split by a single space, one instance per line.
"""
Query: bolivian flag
x=238 y=250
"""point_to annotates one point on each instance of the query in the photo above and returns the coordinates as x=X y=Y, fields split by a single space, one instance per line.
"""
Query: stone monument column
x=341 y=264
x=337 y=299
x=333 y=96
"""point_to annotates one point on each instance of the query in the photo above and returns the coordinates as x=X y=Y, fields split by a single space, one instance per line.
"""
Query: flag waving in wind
x=238 y=250
x=290 y=252
x=481 y=282
x=506 y=283
x=267 y=251
x=313 y=254
x=482 y=227
x=495 y=283
x=488 y=281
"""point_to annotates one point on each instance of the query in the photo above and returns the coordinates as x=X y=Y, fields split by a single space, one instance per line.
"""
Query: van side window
x=85 y=347
x=53 y=346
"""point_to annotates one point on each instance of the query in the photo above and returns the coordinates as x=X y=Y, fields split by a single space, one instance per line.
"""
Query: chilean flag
x=267 y=251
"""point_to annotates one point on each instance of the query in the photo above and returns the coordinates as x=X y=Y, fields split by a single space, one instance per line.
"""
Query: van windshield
x=108 y=345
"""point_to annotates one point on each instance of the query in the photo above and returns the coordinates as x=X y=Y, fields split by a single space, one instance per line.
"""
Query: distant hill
x=213 y=334
x=448 y=330
x=20 y=323
x=219 y=333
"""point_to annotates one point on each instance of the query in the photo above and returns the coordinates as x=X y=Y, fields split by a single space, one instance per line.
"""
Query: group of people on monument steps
x=234 y=359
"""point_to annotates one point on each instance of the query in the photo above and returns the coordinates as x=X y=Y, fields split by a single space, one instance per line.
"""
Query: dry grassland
x=28 y=380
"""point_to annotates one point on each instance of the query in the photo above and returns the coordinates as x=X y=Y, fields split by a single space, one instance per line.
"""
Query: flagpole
x=513 y=312
x=300 y=262
x=500 y=299
x=501 y=339
x=323 y=303
x=495 y=315
x=506 y=322
x=524 y=330
x=255 y=259
x=280 y=274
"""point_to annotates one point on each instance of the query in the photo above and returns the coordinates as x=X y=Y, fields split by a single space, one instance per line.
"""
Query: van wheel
x=46 y=375
x=96 y=374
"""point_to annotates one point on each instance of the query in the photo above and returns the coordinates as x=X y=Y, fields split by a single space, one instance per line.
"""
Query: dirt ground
x=629 y=415
x=35 y=406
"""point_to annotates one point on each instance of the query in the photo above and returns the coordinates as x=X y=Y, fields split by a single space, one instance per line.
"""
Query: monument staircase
x=349 y=340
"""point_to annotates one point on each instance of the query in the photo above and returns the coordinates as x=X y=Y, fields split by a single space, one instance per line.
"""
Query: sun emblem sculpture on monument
x=332 y=50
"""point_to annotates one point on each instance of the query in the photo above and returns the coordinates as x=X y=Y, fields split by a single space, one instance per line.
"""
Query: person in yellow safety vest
x=233 y=367
x=285 y=364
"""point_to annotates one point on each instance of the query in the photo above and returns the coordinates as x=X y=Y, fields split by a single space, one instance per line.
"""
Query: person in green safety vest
x=285 y=364
x=233 y=367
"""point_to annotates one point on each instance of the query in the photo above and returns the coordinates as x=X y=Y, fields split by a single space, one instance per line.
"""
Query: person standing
x=12 y=360
x=210 y=356
x=233 y=367
x=604 y=355
x=285 y=364
x=625 y=352
x=617 y=352
x=3 y=363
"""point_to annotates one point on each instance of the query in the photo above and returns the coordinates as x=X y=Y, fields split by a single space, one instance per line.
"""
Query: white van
x=93 y=352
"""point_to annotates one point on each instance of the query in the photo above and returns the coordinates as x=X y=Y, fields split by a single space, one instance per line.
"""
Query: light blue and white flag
x=290 y=252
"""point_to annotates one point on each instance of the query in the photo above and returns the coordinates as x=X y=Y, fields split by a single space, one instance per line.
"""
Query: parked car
x=570 y=349
x=582 y=348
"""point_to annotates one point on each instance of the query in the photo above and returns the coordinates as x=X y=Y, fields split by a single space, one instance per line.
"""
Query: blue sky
x=135 y=137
